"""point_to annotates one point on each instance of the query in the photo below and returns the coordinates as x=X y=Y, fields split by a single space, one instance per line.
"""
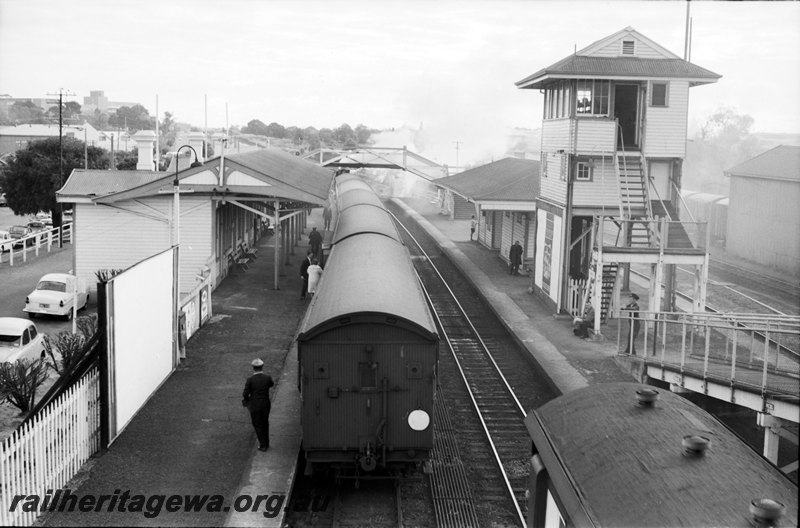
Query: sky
x=448 y=67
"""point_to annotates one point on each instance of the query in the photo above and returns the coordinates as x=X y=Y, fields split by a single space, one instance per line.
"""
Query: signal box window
x=658 y=94
x=592 y=97
x=583 y=172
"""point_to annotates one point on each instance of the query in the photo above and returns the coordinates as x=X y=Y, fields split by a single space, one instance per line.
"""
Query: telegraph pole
x=61 y=93
x=458 y=143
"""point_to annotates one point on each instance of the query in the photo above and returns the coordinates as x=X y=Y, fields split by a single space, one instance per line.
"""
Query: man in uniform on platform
x=256 y=398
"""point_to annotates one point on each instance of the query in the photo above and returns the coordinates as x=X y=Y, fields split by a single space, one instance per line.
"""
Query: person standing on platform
x=304 y=273
x=515 y=257
x=314 y=274
x=635 y=324
x=315 y=242
x=473 y=224
x=256 y=398
x=326 y=216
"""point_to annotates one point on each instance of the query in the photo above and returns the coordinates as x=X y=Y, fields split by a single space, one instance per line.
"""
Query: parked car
x=19 y=339
x=37 y=225
x=19 y=232
x=3 y=201
x=45 y=218
x=56 y=294
x=6 y=242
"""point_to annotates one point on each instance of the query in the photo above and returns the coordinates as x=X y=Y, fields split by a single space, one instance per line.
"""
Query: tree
x=276 y=130
x=723 y=141
x=98 y=120
x=133 y=118
x=255 y=127
x=168 y=131
x=33 y=175
x=26 y=112
x=70 y=113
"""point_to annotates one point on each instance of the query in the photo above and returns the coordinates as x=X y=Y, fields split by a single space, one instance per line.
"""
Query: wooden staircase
x=634 y=199
x=608 y=281
x=677 y=237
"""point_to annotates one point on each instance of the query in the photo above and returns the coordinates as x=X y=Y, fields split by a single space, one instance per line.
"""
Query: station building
x=213 y=210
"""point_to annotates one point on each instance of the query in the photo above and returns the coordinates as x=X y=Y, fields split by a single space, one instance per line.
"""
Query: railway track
x=486 y=382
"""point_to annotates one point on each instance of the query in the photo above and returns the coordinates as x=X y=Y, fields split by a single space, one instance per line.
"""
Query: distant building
x=763 y=213
x=96 y=100
x=14 y=138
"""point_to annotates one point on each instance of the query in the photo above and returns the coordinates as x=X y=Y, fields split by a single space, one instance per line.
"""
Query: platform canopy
x=262 y=175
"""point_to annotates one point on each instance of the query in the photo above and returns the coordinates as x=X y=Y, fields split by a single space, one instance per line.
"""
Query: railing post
x=683 y=344
x=733 y=362
x=766 y=360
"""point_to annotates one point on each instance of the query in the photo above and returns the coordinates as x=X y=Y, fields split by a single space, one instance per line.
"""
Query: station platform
x=193 y=437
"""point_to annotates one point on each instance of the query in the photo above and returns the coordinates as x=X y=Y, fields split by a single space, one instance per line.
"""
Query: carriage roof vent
x=646 y=397
x=766 y=512
x=695 y=445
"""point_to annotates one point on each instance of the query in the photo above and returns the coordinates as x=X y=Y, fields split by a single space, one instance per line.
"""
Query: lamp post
x=176 y=236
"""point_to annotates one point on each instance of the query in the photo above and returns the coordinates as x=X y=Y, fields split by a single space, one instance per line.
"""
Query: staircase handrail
x=683 y=202
x=620 y=141
x=652 y=230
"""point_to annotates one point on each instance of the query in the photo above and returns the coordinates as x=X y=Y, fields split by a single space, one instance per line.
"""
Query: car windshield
x=9 y=340
x=17 y=230
x=52 y=286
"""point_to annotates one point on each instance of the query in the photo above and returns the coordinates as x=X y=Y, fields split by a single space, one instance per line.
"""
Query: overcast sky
x=448 y=66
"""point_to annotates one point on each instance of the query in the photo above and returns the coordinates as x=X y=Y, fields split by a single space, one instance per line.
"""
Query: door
x=626 y=110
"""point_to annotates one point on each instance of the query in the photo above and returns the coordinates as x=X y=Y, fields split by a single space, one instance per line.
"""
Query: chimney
x=145 y=140
x=196 y=142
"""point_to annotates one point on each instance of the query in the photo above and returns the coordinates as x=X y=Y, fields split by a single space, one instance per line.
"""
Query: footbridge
x=750 y=360
x=379 y=158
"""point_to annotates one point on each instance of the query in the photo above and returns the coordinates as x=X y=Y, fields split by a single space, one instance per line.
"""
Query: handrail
x=685 y=205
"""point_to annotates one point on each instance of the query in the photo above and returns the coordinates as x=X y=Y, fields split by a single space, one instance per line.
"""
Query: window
x=592 y=97
x=658 y=94
x=556 y=100
x=583 y=172
x=628 y=47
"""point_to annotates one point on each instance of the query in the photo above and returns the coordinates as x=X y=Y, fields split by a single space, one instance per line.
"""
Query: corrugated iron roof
x=503 y=180
x=781 y=163
x=288 y=169
x=579 y=65
x=104 y=182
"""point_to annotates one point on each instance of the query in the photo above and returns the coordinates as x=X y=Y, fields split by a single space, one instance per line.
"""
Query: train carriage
x=368 y=351
x=624 y=454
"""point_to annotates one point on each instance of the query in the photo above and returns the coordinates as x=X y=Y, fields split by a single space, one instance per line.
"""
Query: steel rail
x=487 y=354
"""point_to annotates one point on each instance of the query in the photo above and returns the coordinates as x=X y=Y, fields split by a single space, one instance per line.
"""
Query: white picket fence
x=41 y=241
x=49 y=450
x=575 y=297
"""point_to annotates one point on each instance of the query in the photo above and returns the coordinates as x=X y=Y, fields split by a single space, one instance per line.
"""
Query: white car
x=19 y=339
x=56 y=294
x=6 y=242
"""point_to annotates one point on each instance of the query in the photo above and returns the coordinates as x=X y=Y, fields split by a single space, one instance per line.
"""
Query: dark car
x=18 y=232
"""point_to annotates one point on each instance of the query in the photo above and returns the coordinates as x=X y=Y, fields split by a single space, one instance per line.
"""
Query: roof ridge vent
x=695 y=445
x=646 y=397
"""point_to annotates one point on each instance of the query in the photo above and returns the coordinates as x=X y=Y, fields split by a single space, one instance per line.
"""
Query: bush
x=19 y=381
x=70 y=346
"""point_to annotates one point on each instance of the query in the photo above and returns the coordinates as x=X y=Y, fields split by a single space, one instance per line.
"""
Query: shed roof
x=779 y=163
x=504 y=180
x=105 y=182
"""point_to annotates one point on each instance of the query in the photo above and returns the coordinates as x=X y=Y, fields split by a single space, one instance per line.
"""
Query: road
x=17 y=281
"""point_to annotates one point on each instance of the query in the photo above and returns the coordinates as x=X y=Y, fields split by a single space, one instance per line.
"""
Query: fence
x=35 y=242
x=47 y=451
x=575 y=297
x=751 y=349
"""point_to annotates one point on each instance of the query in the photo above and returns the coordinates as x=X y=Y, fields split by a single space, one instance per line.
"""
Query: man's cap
x=635 y=297
x=257 y=363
